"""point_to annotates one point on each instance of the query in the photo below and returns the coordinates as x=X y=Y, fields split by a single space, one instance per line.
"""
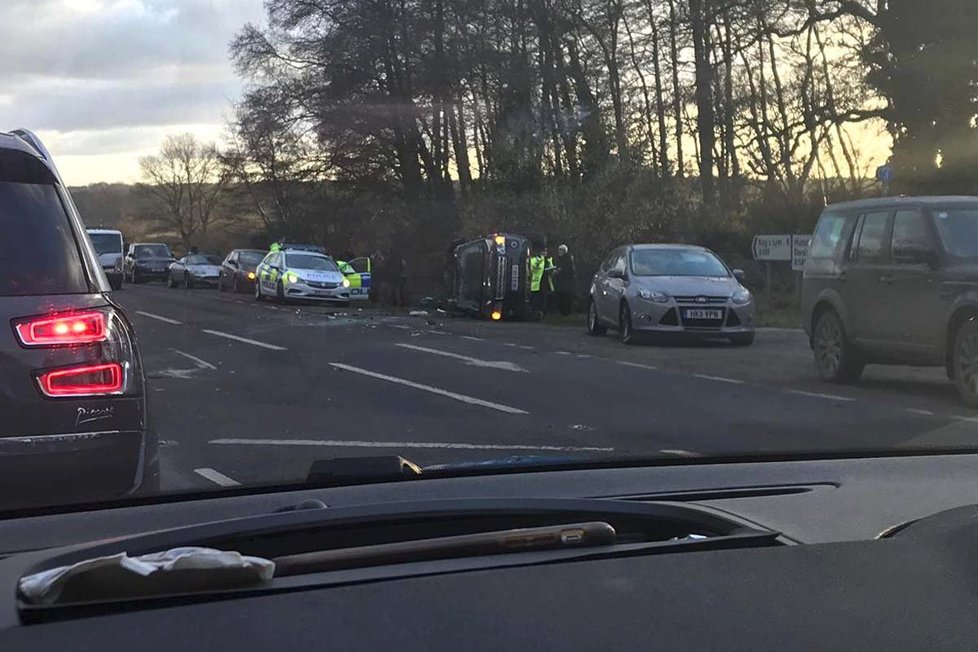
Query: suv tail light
x=87 y=380
x=61 y=330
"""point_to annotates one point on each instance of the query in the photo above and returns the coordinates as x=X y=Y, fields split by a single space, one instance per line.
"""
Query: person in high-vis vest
x=539 y=285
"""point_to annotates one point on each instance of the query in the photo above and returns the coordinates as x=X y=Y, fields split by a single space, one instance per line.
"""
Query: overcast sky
x=102 y=81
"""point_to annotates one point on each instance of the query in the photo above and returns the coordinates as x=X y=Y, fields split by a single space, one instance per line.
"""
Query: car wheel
x=626 y=332
x=258 y=294
x=836 y=359
x=965 y=362
x=594 y=326
x=742 y=339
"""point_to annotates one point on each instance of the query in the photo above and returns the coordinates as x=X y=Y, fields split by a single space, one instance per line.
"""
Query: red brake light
x=77 y=328
x=89 y=380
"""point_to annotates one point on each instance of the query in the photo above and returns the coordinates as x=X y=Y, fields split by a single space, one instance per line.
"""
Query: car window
x=38 y=251
x=106 y=243
x=250 y=257
x=676 y=262
x=871 y=247
x=152 y=251
x=360 y=265
x=619 y=263
x=911 y=238
x=828 y=235
x=203 y=260
x=609 y=261
x=958 y=230
x=310 y=261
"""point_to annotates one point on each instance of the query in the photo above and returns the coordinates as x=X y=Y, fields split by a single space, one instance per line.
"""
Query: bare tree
x=185 y=184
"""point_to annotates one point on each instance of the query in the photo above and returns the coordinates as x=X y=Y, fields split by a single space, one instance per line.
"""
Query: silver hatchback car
x=670 y=290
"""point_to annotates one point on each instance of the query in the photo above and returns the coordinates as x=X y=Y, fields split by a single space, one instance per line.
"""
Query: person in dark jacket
x=564 y=280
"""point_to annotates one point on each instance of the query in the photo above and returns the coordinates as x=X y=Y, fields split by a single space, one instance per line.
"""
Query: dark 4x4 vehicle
x=895 y=281
x=72 y=391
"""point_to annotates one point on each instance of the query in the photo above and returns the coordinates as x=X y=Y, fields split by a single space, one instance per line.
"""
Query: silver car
x=670 y=290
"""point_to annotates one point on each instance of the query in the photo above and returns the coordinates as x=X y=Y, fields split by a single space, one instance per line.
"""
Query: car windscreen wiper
x=555 y=537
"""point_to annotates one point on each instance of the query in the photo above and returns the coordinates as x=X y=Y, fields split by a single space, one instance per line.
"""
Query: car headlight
x=654 y=296
x=346 y=282
x=741 y=296
x=251 y=276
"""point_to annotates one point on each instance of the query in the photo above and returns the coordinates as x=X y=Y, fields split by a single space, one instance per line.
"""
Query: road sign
x=799 y=251
x=772 y=247
x=884 y=174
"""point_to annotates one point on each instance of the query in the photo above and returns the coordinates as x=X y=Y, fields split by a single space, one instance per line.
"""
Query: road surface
x=251 y=393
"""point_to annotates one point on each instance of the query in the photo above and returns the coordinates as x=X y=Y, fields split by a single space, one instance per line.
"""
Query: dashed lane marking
x=471 y=338
x=165 y=320
x=401 y=326
x=475 y=362
x=719 y=379
x=428 y=388
x=926 y=413
x=217 y=478
x=203 y=364
x=637 y=365
x=236 y=338
x=830 y=397
x=333 y=443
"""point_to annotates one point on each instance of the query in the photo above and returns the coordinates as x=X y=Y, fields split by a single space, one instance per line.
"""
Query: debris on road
x=418 y=313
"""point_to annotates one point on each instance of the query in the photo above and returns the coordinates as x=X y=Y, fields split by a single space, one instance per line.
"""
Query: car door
x=865 y=277
x=599 y=289
x=229 y=268
x=130 y=258
x=362 y=268
x=271 y=272
x=615 y=282
x=913 y=310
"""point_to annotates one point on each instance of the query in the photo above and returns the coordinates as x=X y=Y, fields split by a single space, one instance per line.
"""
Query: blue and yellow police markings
x=359 y=281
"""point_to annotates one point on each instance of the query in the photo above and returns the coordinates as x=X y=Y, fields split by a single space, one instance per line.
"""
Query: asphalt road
x=252 y=393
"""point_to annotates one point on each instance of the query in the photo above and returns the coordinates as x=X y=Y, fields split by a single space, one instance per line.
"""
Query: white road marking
x=968 y=419
x=527 y=348
x=719 y=379
x=679 y=452
x=584 y=356
x=831 y=397
x=563 y=353
x=636 y=365
x=203 y=364
x=236 y=338
x=438 y=333
x=926 y=413
x=402 y=327
x=162 y=319
x=428 y=388
x=510 y=344
x=405 y=444
x=475 y=362
x=217 y=477
x=474 y=339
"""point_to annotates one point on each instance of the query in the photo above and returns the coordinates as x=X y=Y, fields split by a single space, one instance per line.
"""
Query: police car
x=301 y=273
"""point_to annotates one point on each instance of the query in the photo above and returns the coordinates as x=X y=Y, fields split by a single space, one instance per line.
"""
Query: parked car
x=670 y=290
x=895 y=280
x=109 y=247
x=146 y=261
x=194 y=269
x=238 y=270
x=73 y=398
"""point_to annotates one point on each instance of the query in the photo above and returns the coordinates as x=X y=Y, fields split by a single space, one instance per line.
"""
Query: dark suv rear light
x=62 y=330
x=86 y=380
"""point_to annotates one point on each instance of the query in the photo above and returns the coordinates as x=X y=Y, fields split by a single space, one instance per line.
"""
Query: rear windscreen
x=38 y=252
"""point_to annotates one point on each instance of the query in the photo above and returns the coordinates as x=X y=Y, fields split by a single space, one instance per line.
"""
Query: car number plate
x=321 y=293
x=698 y=313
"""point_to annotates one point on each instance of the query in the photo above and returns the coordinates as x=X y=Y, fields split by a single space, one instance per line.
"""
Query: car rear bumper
x=76 y=467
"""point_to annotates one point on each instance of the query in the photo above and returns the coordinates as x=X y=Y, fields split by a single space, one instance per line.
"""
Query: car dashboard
x=874 y=553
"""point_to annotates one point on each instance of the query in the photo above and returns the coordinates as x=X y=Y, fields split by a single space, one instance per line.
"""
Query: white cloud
x=104 y=77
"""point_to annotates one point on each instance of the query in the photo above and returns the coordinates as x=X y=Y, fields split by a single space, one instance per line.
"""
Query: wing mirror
x=740 y=275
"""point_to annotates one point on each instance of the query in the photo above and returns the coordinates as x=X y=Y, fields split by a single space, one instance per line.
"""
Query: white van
x=108 y=245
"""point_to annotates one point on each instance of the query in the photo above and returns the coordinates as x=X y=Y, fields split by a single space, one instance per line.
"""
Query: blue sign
x=884 y=174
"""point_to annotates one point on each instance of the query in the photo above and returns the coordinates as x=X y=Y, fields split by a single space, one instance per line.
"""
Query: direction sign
x=772 y=247
x=799 y=251
x=884 y=174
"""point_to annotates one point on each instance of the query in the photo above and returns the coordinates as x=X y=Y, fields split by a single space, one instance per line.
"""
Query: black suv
x=895 y=281
x=72 y=391
x=146 y=261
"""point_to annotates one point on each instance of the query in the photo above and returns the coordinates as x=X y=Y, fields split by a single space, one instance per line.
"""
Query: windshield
x=309 y=261
x=676 y=262
x=251 y=258
x=107 y=243
x=958 y=229
x=152 y=251
x=575 y=232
